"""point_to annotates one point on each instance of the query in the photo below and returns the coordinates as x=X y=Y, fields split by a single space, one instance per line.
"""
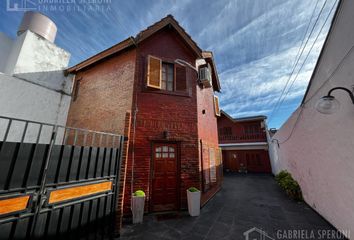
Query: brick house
x=244 y=143
x=173 y=141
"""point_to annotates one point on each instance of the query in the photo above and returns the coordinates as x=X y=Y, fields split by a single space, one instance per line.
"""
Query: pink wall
x=320 y=152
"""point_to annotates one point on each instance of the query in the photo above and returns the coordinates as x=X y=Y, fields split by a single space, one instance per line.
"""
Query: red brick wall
x=107 y=90
x=158 y=112
x=123 y=174
x=105 y=94
x=208 y=134
x=238 y=130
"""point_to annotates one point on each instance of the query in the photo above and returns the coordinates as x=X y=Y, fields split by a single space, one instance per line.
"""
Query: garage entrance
x=256 y=161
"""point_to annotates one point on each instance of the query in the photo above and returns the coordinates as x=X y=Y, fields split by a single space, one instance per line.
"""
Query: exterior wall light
x=328 y=104
x=185 y=64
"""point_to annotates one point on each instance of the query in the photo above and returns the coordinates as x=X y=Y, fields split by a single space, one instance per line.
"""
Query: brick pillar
x=123 y=175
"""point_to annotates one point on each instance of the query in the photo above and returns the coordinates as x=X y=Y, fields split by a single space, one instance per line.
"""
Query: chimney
x=38 y=24
x=34 y=50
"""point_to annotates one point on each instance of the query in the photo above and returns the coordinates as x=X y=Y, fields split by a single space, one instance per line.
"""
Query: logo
x=256 y=234
x=20 y=5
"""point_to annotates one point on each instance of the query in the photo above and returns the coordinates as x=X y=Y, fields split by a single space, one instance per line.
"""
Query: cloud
x=254 y=42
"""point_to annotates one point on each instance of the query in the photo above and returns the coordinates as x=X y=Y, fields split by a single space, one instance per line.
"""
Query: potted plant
x=193 y=197
x=138 y=202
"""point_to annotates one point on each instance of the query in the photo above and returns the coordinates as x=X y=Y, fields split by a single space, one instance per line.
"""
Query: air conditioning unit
x=205 y=76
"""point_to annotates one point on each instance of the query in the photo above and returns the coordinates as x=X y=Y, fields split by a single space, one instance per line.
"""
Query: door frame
x=152 y=168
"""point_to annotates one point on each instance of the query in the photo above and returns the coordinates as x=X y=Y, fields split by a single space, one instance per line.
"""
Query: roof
x=244 y=119
x=169 y=20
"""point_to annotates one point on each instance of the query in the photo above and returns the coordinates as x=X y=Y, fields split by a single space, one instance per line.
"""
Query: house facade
x=173 y=142
x=244 y=144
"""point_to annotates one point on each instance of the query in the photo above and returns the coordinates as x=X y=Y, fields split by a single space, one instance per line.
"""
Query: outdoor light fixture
x=328 y=104
x=185 y=64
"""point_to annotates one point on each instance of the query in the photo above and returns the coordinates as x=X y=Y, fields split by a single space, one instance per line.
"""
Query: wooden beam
x=13 y=204
x=71 y=193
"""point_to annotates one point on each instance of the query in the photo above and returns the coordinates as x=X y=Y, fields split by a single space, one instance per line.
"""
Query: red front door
x=164 y=177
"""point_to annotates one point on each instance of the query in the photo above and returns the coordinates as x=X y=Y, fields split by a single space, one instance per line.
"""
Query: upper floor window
x=166 y=76
x=167 y=79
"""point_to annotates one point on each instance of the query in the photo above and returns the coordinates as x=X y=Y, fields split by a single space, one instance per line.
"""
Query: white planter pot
x=138 y=209
x=193 y=203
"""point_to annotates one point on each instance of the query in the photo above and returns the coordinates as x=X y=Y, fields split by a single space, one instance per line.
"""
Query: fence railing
x=60 y=171
x=19 y=130
x=243 y=138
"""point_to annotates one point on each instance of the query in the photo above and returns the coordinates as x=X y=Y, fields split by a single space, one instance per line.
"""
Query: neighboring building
x=244 y=144
x=33 y=84
x=173 y=143
x=317 y=149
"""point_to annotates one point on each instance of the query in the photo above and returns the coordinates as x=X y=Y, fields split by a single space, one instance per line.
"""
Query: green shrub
x=193 y=189
x=139 y=193
x=289 y=185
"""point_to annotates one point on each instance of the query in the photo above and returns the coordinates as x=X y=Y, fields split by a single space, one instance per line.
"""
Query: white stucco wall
x=5 y=49
x=29 y=100
x=31 y=53
x=320 y=152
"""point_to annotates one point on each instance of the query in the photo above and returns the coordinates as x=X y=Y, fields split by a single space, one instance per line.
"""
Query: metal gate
x=57 y=181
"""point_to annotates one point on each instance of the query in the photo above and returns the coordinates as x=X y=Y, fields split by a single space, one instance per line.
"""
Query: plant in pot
x=138 y=201
x=193 y=197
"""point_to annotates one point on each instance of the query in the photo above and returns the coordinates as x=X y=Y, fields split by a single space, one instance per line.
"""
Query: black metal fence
x=57 y=181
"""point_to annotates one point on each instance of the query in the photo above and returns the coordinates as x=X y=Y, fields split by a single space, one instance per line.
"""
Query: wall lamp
x=328 y=104
x=185 y=64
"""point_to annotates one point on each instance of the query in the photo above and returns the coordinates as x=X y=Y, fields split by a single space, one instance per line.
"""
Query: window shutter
x=181 y=78
x=212 y=165
x=154 y=72
x=216 y=106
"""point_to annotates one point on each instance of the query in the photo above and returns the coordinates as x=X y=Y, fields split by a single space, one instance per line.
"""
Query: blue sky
x=255 y=42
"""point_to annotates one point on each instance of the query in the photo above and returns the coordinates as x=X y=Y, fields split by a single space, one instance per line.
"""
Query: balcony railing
x=260 y=137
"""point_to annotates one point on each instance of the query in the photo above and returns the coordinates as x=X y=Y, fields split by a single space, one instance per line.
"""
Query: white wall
x=5 y=49
x=31 y=53
x=320 y=152
x=33 y=86
x=29 y=99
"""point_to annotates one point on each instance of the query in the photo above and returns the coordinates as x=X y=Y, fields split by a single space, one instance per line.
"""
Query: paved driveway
x=246 y=201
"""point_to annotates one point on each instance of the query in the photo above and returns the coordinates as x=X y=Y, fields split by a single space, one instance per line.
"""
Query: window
x=167 y=76
x=154 y=72
x=165 y=152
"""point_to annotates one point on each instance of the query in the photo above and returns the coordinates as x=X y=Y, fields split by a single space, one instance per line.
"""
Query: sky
x=256 y=43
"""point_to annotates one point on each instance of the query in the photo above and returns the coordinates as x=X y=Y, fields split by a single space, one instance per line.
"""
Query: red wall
x=104 y=95
x=159 y=111
x=110 y=88
x=238 y=131
x=208 y=134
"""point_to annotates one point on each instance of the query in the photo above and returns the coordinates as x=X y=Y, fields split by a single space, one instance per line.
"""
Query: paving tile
x=245 y=201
